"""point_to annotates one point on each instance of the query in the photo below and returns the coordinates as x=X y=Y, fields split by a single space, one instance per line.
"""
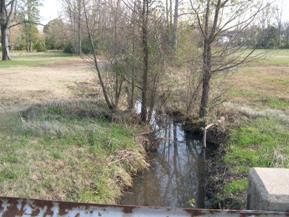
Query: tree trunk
x=206 y=70
x=105 y=94
x=207 y=55
x=30 y=46
x=171 y=15
x=131 y=102
x=79 y=42
x=175 y=25
x=79 y=34
x=5 y=15
x=192 y=97
x=5 y=43
x=167 y=14
x=145 y=60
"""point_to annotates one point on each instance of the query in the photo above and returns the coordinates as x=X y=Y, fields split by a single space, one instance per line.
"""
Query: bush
x=68 y=48
x=86 y=46
x=39 y=46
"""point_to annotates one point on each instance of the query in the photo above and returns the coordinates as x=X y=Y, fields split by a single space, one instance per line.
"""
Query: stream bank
x=68 y=151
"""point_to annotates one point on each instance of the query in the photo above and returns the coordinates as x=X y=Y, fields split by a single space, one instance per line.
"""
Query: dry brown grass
x=261 y=87
x=64 y=80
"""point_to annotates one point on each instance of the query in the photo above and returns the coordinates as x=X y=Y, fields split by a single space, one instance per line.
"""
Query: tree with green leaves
x=29 y=15
x=56 y=34
x=75 y=14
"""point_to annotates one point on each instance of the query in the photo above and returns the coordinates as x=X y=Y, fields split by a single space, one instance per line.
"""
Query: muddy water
x=176 y=177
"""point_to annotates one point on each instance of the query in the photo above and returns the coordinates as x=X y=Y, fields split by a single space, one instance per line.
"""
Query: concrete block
x=268 y=189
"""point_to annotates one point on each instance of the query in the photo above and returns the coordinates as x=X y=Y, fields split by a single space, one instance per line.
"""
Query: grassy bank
x=261 y=142
x=67 y=152
x=259 y=126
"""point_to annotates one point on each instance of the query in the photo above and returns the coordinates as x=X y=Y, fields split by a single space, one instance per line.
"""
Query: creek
x=177 y=175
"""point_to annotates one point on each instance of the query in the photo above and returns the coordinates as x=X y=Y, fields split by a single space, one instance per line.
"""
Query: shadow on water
x=177 y=174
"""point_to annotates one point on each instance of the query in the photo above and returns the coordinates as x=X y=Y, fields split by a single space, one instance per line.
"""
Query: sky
x=51 y=9
x=285 y=8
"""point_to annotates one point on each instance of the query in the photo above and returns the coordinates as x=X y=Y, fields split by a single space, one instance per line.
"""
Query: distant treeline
x=270 y=37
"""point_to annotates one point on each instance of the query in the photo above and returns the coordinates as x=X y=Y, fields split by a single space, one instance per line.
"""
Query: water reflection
x=177 y=173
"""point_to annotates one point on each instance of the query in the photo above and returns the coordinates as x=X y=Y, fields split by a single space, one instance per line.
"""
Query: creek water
x=176 y=177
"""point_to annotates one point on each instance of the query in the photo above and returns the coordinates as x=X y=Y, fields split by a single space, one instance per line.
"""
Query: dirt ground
x=23 y=86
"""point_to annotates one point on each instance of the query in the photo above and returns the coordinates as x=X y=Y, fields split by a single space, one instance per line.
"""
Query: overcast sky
x=52 y=9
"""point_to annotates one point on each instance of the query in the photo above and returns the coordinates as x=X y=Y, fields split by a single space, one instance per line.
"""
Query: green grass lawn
x=271 y=57
x=20 y=59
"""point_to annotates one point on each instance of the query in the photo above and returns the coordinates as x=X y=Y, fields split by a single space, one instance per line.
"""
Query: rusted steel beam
x=10 y=207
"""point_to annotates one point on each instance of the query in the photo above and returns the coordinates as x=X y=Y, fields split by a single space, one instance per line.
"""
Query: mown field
x=259 y=134
x=56 y=139
x=44 y=77
x=21 y=59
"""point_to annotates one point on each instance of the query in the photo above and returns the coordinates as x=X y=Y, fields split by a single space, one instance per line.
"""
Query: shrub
x=39 y=46
x=68 y=48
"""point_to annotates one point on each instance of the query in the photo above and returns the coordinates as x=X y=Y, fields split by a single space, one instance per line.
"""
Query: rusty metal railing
x=10 y=207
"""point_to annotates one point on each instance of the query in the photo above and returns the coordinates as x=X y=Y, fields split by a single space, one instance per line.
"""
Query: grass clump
x=236 y=186
x=68 y=152
x=254 y=145
x=234 y=193
x=276 y=103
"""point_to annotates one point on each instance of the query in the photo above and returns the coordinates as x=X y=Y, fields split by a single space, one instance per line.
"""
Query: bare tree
x=142 y=11
x=129 y=38
x=28 y=16
x=133 y=57
x=108 y=29
x=172 y=19
x=74 y=11
x=94 y=55
x=220 y=23
x=278 y=14
x=144 y=17
x=7 y=10
x=175 y=24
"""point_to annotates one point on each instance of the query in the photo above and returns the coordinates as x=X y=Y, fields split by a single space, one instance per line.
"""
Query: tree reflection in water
x=177 y=173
